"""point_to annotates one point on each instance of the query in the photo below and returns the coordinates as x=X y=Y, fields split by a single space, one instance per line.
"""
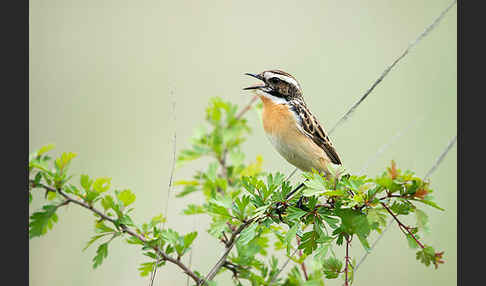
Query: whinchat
x=290 y=126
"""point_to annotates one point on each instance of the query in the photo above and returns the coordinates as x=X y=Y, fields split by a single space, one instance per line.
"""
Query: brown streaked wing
x=314 y=130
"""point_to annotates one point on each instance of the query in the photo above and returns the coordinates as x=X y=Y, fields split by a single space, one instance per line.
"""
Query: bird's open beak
x=255 y=86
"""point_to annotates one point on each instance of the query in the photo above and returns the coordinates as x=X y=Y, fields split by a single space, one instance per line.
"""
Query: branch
x=283 y=266
x=346 y=260
x=302 y=265
x=125 y=229
x=402 y=225
x=229 y=246
x=247 y=107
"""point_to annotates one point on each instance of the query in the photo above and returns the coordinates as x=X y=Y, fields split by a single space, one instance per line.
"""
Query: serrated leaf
x=189 y=239
x=332 y=267
x=430 y=203
x=126 y=197
x=63 y=162
x=193 y=209
x=86 y=182
x=92 y=240
x=188 y=189
x=247 y=234
x=294 y=213
x=422 y=220
x=45 y=149
x=107 y=202
x=291 y=235
x=101 y=184
x=43 y=220
x=101 y=254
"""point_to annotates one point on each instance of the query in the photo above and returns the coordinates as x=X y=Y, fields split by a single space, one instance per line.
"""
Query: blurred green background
x=101 y=78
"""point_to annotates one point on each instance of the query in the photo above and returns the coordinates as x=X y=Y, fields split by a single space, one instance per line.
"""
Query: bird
x=289 y=124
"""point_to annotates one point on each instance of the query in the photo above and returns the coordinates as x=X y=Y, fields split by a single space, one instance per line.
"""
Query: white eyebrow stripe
x=282 y=77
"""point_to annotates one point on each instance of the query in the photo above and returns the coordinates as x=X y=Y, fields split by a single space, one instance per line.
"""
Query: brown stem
x=348 y=241
x=302 y=265
x=212 y=273
x=125 y=229
x=247 y=107
x=402 y=226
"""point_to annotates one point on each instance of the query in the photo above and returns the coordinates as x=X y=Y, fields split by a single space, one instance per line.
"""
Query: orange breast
x=281 y=127
x=277 y=118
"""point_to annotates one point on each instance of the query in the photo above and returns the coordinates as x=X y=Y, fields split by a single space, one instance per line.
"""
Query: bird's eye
x=274 y=80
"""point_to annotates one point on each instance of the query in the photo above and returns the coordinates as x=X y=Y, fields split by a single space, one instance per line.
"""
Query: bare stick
x=174 y=141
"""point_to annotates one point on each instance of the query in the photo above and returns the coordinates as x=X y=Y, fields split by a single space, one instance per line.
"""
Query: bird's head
x=277 y=85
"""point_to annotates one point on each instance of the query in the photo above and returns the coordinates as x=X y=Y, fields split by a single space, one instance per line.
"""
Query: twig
x=283 y=266
x=226 y=252
x=346 y=261
x=247 y=107
x=125 y=229
x=174 y=142
x=302 y=265
x=192 y=249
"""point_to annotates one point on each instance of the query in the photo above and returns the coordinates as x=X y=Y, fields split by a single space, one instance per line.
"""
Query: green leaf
x=42 y=220
x=107 y=202
x=430 y=203
x=309 y=242
x=45 y=149
x=63 y=162
x=157 y=219
x=102 y=184
x=247 y=234
x=188 y=189
x=291 y=235
x=422 y=220
x=146 y=268
x=101 y=254
x=332 y=267
x=93 y=239
x=189 y=239
x=86 y=182
x=126 y=197
x=294 y=213
x=193 y=209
